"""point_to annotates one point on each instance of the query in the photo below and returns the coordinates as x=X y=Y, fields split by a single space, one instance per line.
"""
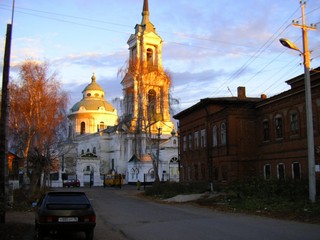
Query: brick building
x=230 y=138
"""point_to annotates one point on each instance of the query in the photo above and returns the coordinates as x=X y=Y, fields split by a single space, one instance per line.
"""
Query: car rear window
x=67 y=201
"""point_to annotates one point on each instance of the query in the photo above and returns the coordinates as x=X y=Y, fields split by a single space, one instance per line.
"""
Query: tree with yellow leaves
x=36 y=116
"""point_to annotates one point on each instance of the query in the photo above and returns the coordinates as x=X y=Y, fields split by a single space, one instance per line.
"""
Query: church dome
x=91 y=105
x=93 y=99
x=92 y=113
x=93 y=86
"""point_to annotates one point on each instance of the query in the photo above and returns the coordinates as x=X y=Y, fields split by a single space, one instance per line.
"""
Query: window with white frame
x=215 y=136
x=223 y=134
x=196 y=140
x=296 y=170
x=267 y=171
x=190 y=141
x=294 y=123
x=203 y=138
x=281 y=171
x=184 y=144
x=266 y=130
x=279 y=126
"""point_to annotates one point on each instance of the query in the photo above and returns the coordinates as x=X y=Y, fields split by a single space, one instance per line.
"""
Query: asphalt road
x=121 y=214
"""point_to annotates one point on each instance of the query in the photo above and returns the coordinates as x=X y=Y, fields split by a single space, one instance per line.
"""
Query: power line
x=233 y=77
x=256 y=55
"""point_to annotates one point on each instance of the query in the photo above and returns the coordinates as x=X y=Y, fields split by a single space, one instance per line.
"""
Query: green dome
x=92 y=105
x=93 y=86
x=92 y=100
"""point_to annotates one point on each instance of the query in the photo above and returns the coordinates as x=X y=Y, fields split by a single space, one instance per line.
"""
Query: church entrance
x=88 y=176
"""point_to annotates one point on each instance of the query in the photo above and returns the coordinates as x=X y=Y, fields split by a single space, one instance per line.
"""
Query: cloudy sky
x=210 y=47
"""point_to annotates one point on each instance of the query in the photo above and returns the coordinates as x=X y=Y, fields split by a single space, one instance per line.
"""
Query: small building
x=230 y=138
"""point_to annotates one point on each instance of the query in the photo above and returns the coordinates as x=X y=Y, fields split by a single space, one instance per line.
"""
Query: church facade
x=141 y=144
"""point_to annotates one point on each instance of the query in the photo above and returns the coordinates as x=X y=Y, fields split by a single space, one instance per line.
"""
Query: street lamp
x=311 y=159
x=158 y=153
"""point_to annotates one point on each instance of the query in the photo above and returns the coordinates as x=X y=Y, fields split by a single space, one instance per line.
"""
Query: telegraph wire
x=186 y=36
x=267 y=44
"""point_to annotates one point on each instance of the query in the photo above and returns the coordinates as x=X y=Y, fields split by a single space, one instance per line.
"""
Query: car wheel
x=89 y=235
x=39 y=234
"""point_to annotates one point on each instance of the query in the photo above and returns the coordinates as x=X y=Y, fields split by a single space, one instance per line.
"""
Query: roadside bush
x=23 y=198
x=271 y=189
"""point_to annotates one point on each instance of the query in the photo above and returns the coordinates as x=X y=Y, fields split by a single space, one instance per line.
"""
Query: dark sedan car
x=59 y=212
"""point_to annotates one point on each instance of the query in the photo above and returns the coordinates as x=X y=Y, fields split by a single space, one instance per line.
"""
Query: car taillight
x=90 y=218
x=47 y=219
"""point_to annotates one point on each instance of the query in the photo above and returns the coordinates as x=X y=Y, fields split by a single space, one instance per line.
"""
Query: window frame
x=294 y=123
x=223 y=133
x=203 y=142
x=278 y=121
x=265 y=175
x=293 y=170
x=266 y=130
x=190 y=141
x=184 y=143
x=214 y=136
x=196 y=139
x=279 y=175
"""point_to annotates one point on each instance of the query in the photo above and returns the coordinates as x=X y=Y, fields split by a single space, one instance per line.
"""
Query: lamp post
x=158 y=153
x=311 y=159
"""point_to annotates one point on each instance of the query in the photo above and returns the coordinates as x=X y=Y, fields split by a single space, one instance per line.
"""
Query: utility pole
x=308 y=96
x=3 y=121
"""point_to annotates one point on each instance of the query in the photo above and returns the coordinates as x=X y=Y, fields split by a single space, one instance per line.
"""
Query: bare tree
x=37 y=113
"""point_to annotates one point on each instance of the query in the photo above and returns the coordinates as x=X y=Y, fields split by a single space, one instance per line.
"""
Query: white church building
x=140 y=142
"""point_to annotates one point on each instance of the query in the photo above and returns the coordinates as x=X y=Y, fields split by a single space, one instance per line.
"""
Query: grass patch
x=280 y=199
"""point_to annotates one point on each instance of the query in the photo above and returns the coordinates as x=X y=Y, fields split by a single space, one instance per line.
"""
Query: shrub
x=271 y=189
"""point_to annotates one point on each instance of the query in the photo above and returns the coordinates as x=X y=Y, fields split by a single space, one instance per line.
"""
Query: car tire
x=39 y=235
x=89 y=235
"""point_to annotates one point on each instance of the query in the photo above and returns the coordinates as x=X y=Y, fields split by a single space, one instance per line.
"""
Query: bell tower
x=146 y=85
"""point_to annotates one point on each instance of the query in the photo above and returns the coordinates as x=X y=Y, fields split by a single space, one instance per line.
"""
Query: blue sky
x=210 y=47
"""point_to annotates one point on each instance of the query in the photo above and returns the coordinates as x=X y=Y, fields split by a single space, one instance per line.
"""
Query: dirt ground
x=18 y=226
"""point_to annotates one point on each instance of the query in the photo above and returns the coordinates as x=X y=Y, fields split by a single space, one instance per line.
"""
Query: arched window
x=83 y=128
x=281 y=171
x=294 y=123
x=151 y=172
x=267 y=171
x=152 y=102
x=149 y=57
x=215 y=136
x=265 y=125
x=94 y=150
x=223 y=134
x=101 y=126
x=174 y=168
x=296 y=170
x=279 y=126
x=174 y=160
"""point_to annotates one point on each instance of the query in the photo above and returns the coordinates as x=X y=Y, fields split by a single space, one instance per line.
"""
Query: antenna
x=230 y=91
